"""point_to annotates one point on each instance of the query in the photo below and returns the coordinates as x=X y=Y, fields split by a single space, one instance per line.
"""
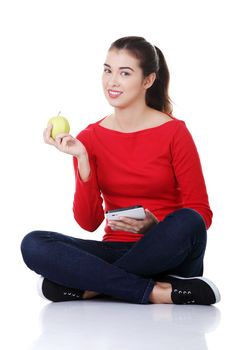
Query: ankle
x=89 y=294
x=161 y=293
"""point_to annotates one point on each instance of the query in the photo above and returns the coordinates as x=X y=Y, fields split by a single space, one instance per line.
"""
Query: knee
x=189 y=222
x=30 y=241
x=192 y=217
x=30 y=247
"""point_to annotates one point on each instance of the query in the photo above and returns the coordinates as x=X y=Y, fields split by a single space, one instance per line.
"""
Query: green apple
x=60 y=125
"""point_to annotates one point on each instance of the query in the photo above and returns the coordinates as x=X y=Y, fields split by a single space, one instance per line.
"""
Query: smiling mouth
x=114 y=93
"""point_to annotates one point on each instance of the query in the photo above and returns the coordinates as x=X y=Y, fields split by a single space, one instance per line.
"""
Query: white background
x=51 y=60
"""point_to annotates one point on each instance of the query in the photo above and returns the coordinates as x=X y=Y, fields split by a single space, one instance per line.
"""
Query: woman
x=140 y=154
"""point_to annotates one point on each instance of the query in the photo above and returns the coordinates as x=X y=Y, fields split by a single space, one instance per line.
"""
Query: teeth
x=115 y=93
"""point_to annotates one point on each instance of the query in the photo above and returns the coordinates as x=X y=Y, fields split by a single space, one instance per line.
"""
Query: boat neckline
x=135 y=132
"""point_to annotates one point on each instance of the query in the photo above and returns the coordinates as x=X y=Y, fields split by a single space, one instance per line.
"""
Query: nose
x=113 y=80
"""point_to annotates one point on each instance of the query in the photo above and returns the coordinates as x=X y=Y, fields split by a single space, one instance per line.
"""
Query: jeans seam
x=144 y=299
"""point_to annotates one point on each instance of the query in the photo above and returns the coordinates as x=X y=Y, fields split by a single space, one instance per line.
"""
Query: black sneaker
x=55 y=292
x=192 y=290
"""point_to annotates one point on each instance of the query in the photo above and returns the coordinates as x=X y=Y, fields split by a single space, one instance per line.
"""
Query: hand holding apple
x=57 y=134
x=60 y=125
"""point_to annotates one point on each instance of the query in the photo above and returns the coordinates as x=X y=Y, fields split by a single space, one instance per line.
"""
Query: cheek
x=135 y=87
x=104 y=85
x=103 y=80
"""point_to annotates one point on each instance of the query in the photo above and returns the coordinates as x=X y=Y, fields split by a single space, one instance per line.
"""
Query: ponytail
x=157 y=96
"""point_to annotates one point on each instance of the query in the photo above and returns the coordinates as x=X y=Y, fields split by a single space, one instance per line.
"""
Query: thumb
x=149 y=214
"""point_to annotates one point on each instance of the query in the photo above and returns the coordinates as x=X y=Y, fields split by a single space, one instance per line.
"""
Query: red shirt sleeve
x=188 y=173
x=87 y=205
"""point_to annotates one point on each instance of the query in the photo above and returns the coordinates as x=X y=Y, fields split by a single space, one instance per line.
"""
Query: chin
x=117 y=104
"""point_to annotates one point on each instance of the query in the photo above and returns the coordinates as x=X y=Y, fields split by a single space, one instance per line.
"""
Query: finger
x=113 y=225
x=59 y=138
x=61 y=135
x=122 y=226
x=62 y=142
x=68 y=140
x=149 y=214
x=128 y=220
x=47 y=135
x=116 y=225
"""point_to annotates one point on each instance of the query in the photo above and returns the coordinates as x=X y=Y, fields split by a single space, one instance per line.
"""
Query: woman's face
x=123 y=80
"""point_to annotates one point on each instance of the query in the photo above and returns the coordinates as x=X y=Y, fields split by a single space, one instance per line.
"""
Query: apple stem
x=59 y=113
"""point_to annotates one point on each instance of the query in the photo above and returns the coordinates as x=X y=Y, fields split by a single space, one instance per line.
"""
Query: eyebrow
x=107 y=65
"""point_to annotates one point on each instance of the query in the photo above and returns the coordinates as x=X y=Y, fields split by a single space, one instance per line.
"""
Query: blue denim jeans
x=123 y=270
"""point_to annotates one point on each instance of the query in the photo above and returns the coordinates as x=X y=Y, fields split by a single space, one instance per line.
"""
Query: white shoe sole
x=39 y=287
x=207 y=281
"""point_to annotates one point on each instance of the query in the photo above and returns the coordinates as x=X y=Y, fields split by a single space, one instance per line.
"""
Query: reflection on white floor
x=106 y=324
x=32 y=323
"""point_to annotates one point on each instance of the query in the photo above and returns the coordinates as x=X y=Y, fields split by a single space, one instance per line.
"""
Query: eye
x=107 y=70
x=125 y=74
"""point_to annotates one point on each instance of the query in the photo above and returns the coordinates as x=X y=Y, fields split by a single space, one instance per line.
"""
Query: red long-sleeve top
x=158 y=168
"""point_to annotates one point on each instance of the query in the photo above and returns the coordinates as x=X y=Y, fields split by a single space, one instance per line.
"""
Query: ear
x=149 y=80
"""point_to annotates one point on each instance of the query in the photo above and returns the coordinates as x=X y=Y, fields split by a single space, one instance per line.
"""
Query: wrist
x=84 y=167
x=83 y=156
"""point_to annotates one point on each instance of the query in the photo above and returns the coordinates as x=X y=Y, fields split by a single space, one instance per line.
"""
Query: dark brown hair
x=151 y=60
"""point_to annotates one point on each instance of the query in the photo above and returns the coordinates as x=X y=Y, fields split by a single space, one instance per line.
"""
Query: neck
x=130 y=118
